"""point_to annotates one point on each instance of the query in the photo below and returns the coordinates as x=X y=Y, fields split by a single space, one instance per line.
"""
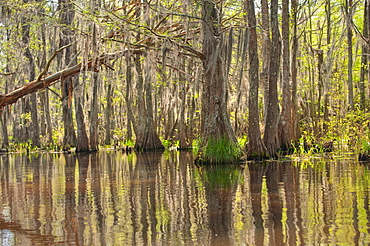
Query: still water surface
x=110 y=198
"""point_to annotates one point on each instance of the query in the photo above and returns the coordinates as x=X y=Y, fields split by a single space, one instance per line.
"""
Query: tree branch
x=50 y=60
x=40 y=84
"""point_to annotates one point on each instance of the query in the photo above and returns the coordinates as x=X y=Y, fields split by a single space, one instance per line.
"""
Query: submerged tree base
x=364 y=157
x=257 y=157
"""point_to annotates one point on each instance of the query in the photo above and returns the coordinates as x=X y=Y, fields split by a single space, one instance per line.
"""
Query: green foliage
x=58 y=135
x=170 y=144
x=307 y=145
x=129 y=142
x=351 y=131
x=365 y=147
x=166 y=143
x=220 y=150
x=196 y=145
x=243 y=140
x=26 y=117
x=26 y=146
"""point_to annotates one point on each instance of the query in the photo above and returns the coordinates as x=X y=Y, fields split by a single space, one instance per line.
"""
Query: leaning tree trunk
x=256 y=147
x=216 y=124
x=272 y=118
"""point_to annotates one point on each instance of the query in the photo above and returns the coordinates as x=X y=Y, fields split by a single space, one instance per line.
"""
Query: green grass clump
x=220 y=150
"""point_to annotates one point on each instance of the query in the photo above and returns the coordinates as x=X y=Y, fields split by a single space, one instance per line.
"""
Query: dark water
x=110 y=198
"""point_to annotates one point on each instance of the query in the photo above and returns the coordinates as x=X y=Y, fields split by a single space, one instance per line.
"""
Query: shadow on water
x=111 y=198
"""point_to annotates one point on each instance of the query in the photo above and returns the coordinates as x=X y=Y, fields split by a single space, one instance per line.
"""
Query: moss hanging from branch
x=39 y=84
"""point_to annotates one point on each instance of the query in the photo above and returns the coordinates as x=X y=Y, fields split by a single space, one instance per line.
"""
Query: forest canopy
x=255 y=77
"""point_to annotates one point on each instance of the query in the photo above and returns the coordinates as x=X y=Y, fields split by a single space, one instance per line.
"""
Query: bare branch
x=50 y=60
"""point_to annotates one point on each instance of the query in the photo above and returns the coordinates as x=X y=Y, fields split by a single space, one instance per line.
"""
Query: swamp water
x=110 y=198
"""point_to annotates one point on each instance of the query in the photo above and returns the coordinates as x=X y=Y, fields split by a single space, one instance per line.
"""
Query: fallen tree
x=43 y=81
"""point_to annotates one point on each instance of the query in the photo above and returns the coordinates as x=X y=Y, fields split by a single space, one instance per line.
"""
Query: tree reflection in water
x=110 y=198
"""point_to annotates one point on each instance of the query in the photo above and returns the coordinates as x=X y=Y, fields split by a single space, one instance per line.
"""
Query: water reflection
x=110 y=198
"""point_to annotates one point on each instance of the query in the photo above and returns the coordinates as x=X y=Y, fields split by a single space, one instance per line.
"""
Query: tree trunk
x=94 y=109
x=183 y=141
x=31 y=100
x=285 y=129
x=326 y=71
x=4 y=126
x=108 y=114
x=368 y=33
x=266 y=50
x=152 y=139
x=215 y=117
x=129 y=114
x=256 y=147
x=146 y=136
x=320 y=64
x=66 y=19
x=272 y=118
x=82 y=144
x=4 y=121
x=364 y=60
x=140 y=125
x=294 y=70
x=46 y=112
x=4 y=117
x=69 y=137
x=350 y=53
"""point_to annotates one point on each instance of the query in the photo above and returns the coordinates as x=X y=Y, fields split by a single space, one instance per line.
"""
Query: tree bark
x=183 y=140
x=285 y=129
x=82 y=144
x=46 y=112
x=31 y=100
x=94 y=109
x=146 y=135
x=66 y=37
x=129 y=114
x=108 y=114
x=266 y=50
x=364 y=60
x=327 y=68
x=256 y=147
x=368 y=33
x=4 y=117
x=215 y=117
x=270 y=137
x=294 y=70
x=350 y=53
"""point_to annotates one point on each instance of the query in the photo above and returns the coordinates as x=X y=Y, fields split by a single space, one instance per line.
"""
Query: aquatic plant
x=220 y=150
